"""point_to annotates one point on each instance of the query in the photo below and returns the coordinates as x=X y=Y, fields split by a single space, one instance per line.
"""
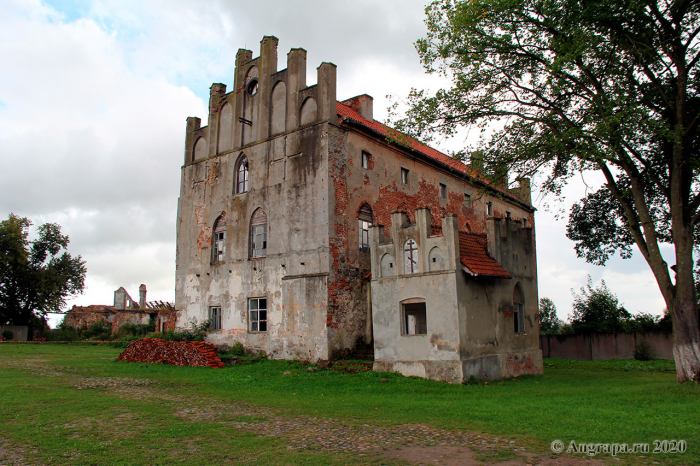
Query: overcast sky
x=94 y=97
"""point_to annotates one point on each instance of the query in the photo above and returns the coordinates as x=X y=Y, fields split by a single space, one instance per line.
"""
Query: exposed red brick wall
x=176 y=353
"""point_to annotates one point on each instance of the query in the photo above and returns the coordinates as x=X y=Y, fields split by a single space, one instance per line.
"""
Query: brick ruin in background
x=125 y=310
x=278 y=193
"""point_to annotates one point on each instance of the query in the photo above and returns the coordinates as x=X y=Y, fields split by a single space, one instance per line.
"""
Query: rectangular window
x=443 y=191
x=215 y=316
x=257 y=314
x=489 y=209
x=258 y=240
x=219 y=246
x=414 y=319
x=518 y=318
x=365 y=160
x=364 y=235
x=404 y=176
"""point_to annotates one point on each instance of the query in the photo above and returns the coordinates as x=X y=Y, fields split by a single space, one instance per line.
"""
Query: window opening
x=219 y=240
x=410 y=257
x=365 y=221
x=489 y=209
x=257 y=314
x=242 y=176
x=518 y=311
x=404 y=176
x=414 y=319
x=215 y=316
x=443 y=190
x=258 y=234
x=365 y=160
x=252 y=87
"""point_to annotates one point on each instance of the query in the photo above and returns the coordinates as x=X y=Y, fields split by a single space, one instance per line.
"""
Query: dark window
x=258 y=234
x=410 y=250
x=252 y=87
x=365 y=221
x=518 y=311
x=443 y=191
x=218 y=248
x=242 y=176
x=215 y=316
x=489 y=209
x=404 y=176
x=414 y=319
x=365 y=160
x=257 y=314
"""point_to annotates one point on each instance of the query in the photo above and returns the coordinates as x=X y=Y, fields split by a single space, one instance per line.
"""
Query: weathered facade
x=277 y=195
x=125 y=310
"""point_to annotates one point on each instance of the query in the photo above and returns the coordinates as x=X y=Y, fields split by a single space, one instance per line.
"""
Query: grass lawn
x=73 y=404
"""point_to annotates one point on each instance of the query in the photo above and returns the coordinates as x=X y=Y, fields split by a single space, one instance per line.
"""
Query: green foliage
x=643 y=352
x=36 y=277
x=135 y=330
x=195 y=332
x=237 y=349
x=596 y=310
x=7 y=334
x=549 y=322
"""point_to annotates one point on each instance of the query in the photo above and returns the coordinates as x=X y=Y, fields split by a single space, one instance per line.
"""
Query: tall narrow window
x=443 y=191
x=410 y=255
x=242 y=176
x=365 y=221
x=404 y=175
x=518 y=310
x=489 y=209
x=258 y=234
x=365 y=160
x=218 y=247
x=215 y=317
x=257 y=314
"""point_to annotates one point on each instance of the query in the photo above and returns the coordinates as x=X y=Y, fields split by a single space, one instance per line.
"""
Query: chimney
x=142 y=296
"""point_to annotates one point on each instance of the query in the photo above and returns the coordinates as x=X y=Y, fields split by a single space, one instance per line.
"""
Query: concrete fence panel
x=605 y=346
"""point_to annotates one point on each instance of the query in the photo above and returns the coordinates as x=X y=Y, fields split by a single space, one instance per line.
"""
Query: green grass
x=54 y=422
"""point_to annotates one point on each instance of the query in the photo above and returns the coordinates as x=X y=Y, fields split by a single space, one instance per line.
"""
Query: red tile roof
x=347 y=112
x=474 y=256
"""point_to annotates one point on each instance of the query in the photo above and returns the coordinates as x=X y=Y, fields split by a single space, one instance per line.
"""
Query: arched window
x=365 y=221
x=218 y=246
x=242 y=175
x=518 y=310
x=258 y=234
x=410 y=257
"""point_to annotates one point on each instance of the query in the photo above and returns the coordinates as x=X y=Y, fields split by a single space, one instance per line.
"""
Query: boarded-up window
x=242 y=176
x=278 y=114
x=410 y=257
x=309 y=112
x=200 y=149
x=258 y=234
x=219 y=240
x=365 y=221
x=518 y=310
x=226 y=128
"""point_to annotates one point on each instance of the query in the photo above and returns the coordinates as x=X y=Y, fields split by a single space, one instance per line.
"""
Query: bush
x=643 y=352
x=7 y=334
x=137 y=330
x=194 y=333
x=237 y=349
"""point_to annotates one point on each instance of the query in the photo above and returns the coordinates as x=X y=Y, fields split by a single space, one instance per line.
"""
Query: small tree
x=549 y=322
x=36 y=277
x=596 y=310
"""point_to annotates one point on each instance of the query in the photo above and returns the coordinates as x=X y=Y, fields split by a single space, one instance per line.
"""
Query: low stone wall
x=176 y=353
x=605 y=346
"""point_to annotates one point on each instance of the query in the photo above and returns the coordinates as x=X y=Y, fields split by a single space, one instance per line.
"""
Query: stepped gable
x=176 y=353
x=474 y=256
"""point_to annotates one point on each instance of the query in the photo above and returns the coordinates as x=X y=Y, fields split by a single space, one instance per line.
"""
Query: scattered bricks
x=155 y=350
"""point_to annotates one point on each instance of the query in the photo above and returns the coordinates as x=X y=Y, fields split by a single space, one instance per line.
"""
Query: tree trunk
x=686 y=340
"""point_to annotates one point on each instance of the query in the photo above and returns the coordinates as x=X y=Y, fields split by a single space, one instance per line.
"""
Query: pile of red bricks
x=177 y=353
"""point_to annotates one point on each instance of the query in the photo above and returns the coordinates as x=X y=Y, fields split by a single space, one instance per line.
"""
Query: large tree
x=584 y=85
x=36 y=277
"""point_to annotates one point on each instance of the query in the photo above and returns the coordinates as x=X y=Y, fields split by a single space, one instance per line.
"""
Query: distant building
x=277 y=199
x=124 y=310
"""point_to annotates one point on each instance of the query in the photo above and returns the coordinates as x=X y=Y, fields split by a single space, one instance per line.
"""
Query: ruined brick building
x=125 y=310
x=278 y=194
